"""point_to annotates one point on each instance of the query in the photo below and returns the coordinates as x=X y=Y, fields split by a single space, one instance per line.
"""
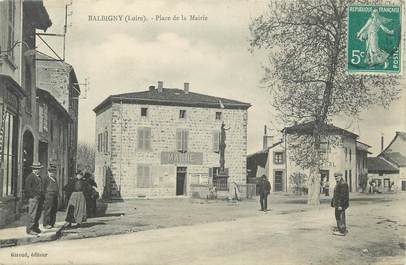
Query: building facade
x=19 y=21
x=161 y=142
x=275 y=160
x=382 y=175
x=395 y=154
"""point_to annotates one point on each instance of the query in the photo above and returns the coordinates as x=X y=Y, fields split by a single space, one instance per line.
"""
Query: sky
x=211 y=54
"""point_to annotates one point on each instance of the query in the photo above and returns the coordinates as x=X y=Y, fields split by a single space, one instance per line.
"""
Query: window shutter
x=216 y=142
x=179 y=140
x=140 y=138
x=147 y=138
x=140 y=173
x=185 y=140
x=147 y=177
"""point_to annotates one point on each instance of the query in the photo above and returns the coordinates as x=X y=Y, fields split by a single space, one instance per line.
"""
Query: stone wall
x=164 y=121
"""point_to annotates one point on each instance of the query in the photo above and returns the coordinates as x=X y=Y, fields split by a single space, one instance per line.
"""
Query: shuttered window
x=216 y=142
x=144 y=139
x=144 y=179
x=182 y=136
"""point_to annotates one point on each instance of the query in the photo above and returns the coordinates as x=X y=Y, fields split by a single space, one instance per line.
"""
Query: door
x=180 y=181
x=403 y=185
x=325 y=182
x=278 y=181
x=43 y=158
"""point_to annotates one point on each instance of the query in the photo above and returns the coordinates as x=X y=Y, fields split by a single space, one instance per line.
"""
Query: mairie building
x=165 y=142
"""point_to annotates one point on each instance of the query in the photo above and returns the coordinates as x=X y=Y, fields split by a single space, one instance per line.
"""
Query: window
x=10 y=30
x=144 y=179
x=144 y=112
x=144 y=139
x=216 y=142
x=182 y=114
x=278 y=157
x=52 y=130
x=100 y=142
x=218 y=115
x=9 y=155
x=106 y=141
x=350 y=155
x=182 y=140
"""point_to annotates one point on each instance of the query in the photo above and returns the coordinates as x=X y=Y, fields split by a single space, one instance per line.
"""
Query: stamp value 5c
x=374 y=39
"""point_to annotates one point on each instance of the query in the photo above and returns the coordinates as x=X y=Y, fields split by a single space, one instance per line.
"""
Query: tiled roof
x=395 y=152
x=307 y=128
x=173 y=97
x=379 y=165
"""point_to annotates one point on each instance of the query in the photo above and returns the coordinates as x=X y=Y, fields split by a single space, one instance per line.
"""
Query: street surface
x=377 y=232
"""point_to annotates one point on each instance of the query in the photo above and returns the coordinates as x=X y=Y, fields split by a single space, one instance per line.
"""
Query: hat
x=338 y=175
x=52 y=167
x=263 y=176
x=36 y=165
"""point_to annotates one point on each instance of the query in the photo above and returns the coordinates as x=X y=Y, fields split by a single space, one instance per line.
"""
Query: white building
x=275 y=159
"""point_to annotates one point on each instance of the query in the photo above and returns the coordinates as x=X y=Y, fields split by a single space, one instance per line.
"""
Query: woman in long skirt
x=76 y=210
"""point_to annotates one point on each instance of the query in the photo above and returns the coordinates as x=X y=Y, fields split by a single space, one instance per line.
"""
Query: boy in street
x=34 y=190
x=340 y=202
x=51 y=198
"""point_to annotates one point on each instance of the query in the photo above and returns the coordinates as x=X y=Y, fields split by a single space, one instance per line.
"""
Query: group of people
x=43 y=193
x=340 y=200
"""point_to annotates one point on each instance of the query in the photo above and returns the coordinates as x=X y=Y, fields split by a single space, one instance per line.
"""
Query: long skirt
x=76 y=211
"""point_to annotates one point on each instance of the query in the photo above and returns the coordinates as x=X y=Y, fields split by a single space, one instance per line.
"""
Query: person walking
x=264 y=190
x=340 y=202
x=76 y=210
x=51 y=188
x=34 y=191
x=91 y=194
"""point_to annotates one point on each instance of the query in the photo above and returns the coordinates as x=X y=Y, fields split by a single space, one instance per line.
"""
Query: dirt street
x=377 y=232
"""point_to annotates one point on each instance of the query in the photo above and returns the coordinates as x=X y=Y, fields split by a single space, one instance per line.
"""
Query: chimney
x=151 y=88
x=186 y=88
x=160 y=86
x=267 y=139
x=382 y=143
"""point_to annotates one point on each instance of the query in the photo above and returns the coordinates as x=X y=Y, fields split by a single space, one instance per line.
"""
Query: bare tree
x=86 y=157
x=306 y=72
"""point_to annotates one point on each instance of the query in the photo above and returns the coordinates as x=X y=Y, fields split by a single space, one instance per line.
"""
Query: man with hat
x=264 y=190
x=340 y=202
x=34 y=191
x=51 y=198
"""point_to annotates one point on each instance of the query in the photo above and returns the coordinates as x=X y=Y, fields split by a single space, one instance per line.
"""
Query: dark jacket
x=80 y=185
x=33 y=186
x=51 y=186
x=264 y=187
x=341 y=196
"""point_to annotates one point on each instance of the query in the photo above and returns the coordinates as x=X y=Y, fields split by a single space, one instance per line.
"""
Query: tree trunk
x=313 y=196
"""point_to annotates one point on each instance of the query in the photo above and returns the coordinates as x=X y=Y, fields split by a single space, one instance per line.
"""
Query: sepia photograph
x=203 y=132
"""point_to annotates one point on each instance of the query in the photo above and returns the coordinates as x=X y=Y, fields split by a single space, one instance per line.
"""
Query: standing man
x=51 y=198
x=35 y=194
x=264 y=190
x=340 y=202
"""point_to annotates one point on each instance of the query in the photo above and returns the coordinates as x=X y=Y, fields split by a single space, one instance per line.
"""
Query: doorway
x=43 y=158
x=181 y=181
x=28 y=154
x=278 y=180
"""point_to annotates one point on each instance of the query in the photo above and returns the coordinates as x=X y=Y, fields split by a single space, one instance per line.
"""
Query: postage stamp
x=374 y=39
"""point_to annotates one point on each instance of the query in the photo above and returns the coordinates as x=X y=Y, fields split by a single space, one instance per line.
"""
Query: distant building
x=161 y=142
x=395 y=154
x=383 y=174
x=274 y=160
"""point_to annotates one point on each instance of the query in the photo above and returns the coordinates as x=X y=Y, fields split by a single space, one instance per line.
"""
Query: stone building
x=19 y=21
x=275 y=161
x=58 y=80
x=163 y=141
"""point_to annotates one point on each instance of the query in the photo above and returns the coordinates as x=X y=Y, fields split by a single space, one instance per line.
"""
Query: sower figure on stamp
x=264 y=190
x=51 y=198
x=34 y=190
x=340 y=202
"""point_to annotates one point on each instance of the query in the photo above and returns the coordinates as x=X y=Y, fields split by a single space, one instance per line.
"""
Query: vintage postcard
x=202 y=132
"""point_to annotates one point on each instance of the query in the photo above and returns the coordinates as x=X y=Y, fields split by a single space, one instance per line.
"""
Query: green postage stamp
x=374 y=39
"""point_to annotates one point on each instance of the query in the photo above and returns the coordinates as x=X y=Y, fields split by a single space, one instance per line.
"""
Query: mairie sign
x=188 y=158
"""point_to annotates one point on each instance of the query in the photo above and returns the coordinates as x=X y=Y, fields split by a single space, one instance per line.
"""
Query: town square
x=177 y=132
